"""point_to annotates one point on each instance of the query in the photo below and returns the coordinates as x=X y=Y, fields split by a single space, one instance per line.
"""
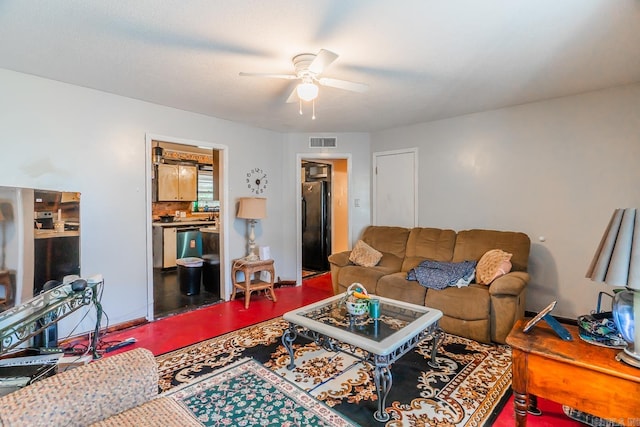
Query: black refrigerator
x=316 y=235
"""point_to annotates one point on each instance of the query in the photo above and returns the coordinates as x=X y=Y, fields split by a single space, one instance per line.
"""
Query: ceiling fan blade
x=323 y=59
x=269 y=75
x=293 y=96
x=343 y=84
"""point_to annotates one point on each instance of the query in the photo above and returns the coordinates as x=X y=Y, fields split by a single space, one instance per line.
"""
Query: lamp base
x=629 y=357
x=626 y=314
x=251 y=248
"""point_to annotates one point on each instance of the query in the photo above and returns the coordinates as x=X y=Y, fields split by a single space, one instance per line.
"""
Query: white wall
x=63 y=137
x=556 y=169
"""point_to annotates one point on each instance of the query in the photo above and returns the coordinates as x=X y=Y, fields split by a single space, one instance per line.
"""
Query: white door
x=395 y=188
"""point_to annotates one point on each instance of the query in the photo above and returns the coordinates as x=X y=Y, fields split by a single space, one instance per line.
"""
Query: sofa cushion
x=466 y=311
x=472 y=244
x=388 y=240
x=477 y=330
x=428 y=243
x=396 y=286
x=493 y=264
x=367 y=276
x=364 y=255
x=472 y=302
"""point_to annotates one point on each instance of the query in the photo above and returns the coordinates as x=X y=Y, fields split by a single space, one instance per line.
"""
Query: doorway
x=395 y=188
x=323 y=214
x=186 y=197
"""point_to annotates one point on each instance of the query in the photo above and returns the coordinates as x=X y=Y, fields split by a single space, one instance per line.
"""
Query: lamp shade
x=252 y=208
x=617 y=260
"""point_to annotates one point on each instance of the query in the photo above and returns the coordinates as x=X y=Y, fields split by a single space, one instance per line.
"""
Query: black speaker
x=78 y=285
x=49 y=337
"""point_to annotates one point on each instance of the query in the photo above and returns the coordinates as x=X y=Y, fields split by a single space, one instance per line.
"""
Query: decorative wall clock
x=257 y=180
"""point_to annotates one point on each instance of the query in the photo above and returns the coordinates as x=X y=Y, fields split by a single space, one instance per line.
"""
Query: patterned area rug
x=246 y=393
x=468 y=389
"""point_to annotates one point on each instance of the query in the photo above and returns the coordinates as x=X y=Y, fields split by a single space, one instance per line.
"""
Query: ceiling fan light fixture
x=307 y=91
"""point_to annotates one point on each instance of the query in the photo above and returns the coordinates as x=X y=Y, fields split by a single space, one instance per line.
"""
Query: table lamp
x=252 y=209
x=617 y=263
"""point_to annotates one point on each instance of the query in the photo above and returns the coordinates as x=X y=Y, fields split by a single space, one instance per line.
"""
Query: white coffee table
x=400 y=327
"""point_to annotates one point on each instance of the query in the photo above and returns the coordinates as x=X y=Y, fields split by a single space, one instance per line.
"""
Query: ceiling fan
x=308 y=69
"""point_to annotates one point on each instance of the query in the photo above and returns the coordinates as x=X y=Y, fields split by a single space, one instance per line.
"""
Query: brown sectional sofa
x=484 y=313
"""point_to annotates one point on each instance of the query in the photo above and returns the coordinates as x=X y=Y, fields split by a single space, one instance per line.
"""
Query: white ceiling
x=423 y=59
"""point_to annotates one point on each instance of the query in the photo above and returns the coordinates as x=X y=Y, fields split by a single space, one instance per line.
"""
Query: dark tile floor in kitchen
x=168 y=300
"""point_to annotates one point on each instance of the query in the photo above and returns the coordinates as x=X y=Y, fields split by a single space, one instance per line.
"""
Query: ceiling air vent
x=315 y=142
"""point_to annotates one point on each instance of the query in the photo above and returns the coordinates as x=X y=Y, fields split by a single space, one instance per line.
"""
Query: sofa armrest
x=510 y=284
x=507 y=303
x=340 y=259
x=84 y=395
x=336 y=262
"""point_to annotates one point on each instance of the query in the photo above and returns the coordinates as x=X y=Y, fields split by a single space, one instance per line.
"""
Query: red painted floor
x=181 y=330
x=552 y=416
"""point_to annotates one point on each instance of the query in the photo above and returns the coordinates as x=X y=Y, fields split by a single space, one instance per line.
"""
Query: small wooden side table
x=574 y=373
x=249 y=269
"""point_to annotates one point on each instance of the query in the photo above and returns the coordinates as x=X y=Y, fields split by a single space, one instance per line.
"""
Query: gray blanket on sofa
x=439 y=275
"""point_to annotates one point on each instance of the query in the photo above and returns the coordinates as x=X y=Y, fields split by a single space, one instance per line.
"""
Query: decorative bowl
x=357 y=308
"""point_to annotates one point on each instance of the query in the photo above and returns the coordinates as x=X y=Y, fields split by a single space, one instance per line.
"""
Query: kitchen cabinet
x=164 y=247
x=177 y=183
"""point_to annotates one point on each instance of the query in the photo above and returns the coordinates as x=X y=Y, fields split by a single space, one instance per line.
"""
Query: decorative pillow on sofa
x=364 y=255
x=492 y=265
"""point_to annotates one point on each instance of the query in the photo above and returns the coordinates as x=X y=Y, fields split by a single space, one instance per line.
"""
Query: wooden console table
x=249 y=268
x=574 y=373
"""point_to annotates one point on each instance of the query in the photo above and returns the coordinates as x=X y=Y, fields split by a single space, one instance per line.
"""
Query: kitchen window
x=205 y=191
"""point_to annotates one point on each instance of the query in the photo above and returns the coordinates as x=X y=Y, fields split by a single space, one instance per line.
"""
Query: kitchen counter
x=210 y=229
x=167 y=235
x=184 y=223
x=49 y=234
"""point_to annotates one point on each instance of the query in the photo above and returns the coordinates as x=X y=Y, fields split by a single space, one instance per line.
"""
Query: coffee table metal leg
x=437 y=334
x=383 y=380
x=288 y=337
